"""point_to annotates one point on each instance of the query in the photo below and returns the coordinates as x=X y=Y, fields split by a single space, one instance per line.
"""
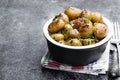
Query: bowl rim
x=107 y=38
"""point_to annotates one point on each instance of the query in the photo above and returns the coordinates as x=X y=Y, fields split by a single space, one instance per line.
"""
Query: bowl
x=80 y=55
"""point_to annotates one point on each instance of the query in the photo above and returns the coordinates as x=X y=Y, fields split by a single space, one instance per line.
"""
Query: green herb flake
x=71 y=41
x=92 y=36
x=83 y=37
x=57 y=19
x=89 y=42
x=62 y=32
x=81 y=40
x=86 y=19
x=85 y=16
x=92 y=40
x=96 y=40
x=57 y=15
x=70 y=28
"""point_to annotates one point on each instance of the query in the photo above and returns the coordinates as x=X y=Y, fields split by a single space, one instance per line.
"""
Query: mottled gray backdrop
x=22 y=43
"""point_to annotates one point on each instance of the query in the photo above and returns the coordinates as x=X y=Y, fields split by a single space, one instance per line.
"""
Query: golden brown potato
x=57 y=36
x=74 y=33
x=97 y=17
x=86 y=13
x=56 y=25
x=100 y=30
x=72 y=12
x=74 y=42
x=67 y=30
x=88 y=41
x=63 y=16
x=86 y=30
x=77 y=23
x=66 y=35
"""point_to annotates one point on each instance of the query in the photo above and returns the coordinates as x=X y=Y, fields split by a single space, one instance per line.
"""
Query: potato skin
x=57 y=37
x=97 y=17
x=100 y=30
x=74 y=33
x=86 y=30
x=77 y=23
x=67 y=30
x=74 y=42
x=86 y=13
x=88 y=41
x=63 y=16
x=56 y=25
x=72 y=12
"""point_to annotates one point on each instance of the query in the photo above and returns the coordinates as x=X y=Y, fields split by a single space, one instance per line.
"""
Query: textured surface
x=22 y=43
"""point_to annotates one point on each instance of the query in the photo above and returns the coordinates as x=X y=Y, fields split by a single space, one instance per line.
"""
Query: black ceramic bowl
x=81 y=55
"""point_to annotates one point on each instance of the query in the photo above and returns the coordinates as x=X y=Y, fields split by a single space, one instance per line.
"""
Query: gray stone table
x=22 y=43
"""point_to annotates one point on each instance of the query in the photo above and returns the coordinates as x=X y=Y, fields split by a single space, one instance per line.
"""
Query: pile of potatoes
x=76 y=27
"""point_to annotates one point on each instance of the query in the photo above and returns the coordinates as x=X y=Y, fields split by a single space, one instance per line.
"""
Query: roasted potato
x=97 y=17
x=72 y=12
x=74 y=33
x=77 y=23
x=63 y=16
x=57 y=36
x=100 y=30
x=86 y=13
x=88 y=41
x=74 y=42
x=86 y=30
x=56 y=25
x=67 y=30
